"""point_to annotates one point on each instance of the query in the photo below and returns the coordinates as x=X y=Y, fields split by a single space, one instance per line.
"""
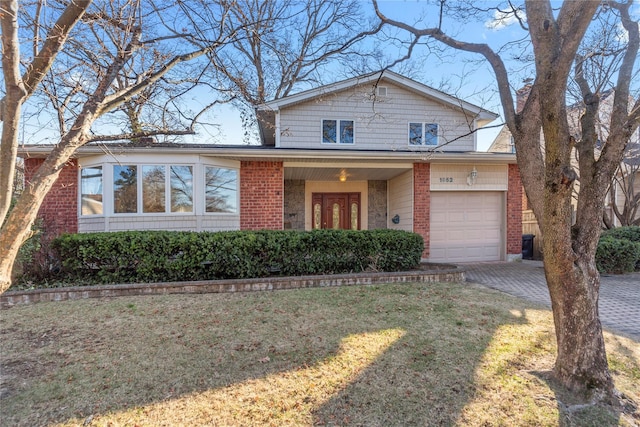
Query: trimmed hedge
x=165 y=256
x=619 y=250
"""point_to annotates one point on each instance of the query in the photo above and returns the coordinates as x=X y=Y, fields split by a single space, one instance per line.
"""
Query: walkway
x=619 y=294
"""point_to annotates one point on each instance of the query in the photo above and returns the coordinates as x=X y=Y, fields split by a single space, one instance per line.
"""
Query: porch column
x=514 y=214
x=422 y=202
x=261 y=195
x=59 y=209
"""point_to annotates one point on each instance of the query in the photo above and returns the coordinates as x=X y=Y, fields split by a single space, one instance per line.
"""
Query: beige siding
x=152 y=222
x=382 y=125
x=457 y=177
x=400 y=191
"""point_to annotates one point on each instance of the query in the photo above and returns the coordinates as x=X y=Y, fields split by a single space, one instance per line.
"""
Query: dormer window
x=337 y=132
x=423 y=134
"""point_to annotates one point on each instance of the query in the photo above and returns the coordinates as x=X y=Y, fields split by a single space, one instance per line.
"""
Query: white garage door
x=466 y=226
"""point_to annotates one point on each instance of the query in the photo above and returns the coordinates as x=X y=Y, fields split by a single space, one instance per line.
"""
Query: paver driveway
x=619 y=294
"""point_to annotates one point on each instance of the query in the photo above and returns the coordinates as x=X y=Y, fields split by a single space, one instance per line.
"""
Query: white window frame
x=203 y=191
x=139 y=189
x=423 y=136
x=338 y=134
x=104 y=190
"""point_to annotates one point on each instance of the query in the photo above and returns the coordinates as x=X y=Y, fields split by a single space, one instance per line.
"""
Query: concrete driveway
x=619 y=294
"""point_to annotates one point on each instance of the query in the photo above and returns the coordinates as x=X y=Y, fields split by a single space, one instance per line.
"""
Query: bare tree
x=282 y=45
x=547 y=173
x=92 y=60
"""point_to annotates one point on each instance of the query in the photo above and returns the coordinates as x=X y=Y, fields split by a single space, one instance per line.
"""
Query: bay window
x=157 y=189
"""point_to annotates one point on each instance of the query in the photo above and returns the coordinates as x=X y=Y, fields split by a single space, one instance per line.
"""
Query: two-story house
x=376 y=151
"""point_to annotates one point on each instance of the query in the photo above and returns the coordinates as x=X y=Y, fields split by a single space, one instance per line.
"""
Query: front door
x=336 y=210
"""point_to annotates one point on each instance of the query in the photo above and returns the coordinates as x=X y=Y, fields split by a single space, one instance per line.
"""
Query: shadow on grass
x=373 y=355
x=575 y=410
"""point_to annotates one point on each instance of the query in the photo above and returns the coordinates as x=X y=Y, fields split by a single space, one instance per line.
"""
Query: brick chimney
x=522 y=94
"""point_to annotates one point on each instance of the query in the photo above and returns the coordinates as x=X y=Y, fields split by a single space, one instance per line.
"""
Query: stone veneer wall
x=377 y=204
x=294 y=204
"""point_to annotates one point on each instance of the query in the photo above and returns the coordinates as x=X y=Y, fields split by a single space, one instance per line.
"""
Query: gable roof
x=266 y=112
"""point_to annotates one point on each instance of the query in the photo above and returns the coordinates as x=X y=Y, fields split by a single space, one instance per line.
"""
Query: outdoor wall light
x=343 y=176
x=396 y=219
x=472 y=177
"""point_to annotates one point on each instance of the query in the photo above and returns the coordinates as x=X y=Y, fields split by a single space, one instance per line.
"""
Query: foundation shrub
x=631 y=233
x=160 y=256
x=617 y=255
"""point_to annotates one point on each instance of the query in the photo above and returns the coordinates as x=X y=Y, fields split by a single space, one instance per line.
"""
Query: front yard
x=409 y=354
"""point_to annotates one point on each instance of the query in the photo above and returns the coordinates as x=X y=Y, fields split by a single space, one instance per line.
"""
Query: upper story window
x=423 y=134
x=337 y=132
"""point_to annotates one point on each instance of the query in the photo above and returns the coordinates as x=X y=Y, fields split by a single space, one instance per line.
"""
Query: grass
x=409 y=354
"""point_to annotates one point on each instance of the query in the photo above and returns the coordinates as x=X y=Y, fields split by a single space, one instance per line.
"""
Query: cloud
x=503 y=19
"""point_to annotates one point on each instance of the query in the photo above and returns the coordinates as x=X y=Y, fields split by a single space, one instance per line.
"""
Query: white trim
x=277 y=130
x=235 y=154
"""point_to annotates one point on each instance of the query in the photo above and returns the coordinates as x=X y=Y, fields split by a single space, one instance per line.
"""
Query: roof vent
x=381 y=91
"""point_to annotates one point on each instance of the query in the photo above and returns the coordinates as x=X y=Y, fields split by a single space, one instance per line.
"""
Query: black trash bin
x=527 y=246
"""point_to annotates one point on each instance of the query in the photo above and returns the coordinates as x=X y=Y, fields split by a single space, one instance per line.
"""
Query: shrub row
x=154 y=256
x=619 y=250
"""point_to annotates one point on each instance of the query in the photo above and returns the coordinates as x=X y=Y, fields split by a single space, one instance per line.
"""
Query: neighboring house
x=377 y=151
x=626 y=183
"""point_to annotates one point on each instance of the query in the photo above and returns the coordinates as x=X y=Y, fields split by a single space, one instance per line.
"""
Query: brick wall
x=59 y=210
x=514 y=212
x=261 y=195
x=422 y=202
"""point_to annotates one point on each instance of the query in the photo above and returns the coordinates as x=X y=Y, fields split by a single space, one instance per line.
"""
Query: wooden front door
x=336 y=210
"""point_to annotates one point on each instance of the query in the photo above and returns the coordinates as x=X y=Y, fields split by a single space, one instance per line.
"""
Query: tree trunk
x=17 y=227
x=574 y=285
x=581 y=363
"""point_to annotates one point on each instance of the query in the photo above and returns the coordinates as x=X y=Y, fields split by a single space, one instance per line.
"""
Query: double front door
x=336 y=210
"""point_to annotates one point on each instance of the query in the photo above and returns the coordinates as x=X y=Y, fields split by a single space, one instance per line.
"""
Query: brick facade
x=261 y=195
x=514 y=212
x=422 y=202
x=59 y=209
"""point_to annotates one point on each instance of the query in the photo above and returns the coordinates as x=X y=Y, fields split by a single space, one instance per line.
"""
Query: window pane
x=221 y=188
x=431 y=134
x=346 y=131
x=181 y=189
x=153 y=187
x=415 y=133
x=91 y=191
x=125 y=191
x=329 y=129
x=354 y=216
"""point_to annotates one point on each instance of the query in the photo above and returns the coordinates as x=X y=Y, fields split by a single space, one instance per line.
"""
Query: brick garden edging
x=13 y=298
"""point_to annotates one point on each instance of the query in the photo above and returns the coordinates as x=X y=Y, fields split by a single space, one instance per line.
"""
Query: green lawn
x=408 y=354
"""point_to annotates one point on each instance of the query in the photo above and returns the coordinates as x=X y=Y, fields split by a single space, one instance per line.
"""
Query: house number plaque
x=446 y=179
